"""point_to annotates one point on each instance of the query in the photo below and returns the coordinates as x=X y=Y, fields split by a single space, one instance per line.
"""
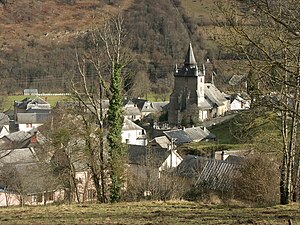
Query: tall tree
x=107 y=56
x=266 y=34
x=113 y=38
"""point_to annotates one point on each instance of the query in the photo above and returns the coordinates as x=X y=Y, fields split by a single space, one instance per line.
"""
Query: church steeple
x=190 y=58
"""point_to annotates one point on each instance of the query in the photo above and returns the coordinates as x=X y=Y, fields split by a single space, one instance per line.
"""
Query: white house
x=28 y=121
x=239 y=103
x=172 y=161
x=131 y=111
x=133 y=134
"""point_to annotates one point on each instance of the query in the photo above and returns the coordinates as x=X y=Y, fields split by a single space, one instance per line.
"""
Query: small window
x=39 y=197
x=49 y=196
x=91 y=194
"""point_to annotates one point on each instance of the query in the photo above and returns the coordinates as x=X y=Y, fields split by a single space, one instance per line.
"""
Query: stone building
x=191 y=96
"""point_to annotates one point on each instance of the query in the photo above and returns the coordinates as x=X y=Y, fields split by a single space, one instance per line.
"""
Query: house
x=218 y=175
x=146 y=107
x=143 y=158
x=29 y=105
x=238 y=102
x=160 y=143
x=15 y=140
x=4 y=125
x=81 y=178
x=133 y=134
x=31 y=113
x=191 y=95
x=28 y=121
x=180 y=136
x=30 y=91
x=131 y=111
x=199 y=133
x=187 y=135
x=22 y=180
x=231 y=154
x=191 y=167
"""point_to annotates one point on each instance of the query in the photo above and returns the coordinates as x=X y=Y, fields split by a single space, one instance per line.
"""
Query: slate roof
x=199 y=133
x=191 y=166
x=235 y=159
x=32 y=178
x=213 y=94
x=34 y=118
x=162 y=141
x=141 y=155
x=180 y=136
x=23 y=103
x=160 y=106
x=128 y=103
x=190 y=58
x=18 y=136
x=218 y=175
x=129 y=125
x=187 y=135
x=18 y=139
x=15 y=156
x=205 y=104
x=36 y=103
x=131 y=111
x=4 y=119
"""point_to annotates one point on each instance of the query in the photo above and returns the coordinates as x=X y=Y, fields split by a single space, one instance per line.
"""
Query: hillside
x=38 y=38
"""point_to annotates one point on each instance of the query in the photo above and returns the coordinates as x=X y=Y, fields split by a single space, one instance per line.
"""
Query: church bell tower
x=188 y=88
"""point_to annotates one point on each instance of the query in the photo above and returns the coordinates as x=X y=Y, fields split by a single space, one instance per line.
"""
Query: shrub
x=258 y=181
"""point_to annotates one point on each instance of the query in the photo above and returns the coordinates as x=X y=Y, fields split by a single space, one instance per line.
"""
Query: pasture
x=150 y=212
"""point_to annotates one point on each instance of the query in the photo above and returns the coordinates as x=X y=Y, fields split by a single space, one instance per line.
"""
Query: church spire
x=190 y=58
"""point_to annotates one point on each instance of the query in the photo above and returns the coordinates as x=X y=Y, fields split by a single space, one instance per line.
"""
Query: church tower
x=188 y=88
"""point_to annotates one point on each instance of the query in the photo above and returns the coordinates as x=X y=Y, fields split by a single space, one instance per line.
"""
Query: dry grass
x=150 y=213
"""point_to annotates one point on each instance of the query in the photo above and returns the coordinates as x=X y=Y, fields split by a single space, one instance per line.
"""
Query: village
x=151 y=144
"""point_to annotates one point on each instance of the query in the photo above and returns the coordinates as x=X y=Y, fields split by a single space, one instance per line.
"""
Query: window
x=39 y=197
x=49 y=196
x=91 y=194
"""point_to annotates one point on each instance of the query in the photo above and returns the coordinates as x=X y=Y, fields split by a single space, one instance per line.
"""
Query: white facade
x=28 y=126
x=172 y=161
x=4 y=131
x=133 y=134
x=134 y=137
x=240 y=104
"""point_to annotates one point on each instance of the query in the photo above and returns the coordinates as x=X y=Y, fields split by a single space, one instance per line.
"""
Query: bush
x=258 y=181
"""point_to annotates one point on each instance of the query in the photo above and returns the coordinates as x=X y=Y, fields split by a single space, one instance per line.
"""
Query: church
x=191 y=95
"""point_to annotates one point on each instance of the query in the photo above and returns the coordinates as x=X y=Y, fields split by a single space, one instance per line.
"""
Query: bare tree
x=266 y=35
x=107 y=56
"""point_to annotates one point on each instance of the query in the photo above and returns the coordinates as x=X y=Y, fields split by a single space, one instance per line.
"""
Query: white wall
x=172 y=161
x=4 y=131
x=24 y=127
x=134 y=137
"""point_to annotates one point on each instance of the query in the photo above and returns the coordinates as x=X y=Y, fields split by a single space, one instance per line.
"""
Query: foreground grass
x=174 y=213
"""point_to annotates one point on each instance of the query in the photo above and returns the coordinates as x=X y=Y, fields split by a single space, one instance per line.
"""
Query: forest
x=39 y=40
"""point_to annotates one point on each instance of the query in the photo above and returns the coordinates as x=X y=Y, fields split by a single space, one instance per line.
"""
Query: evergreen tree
x=115 y=122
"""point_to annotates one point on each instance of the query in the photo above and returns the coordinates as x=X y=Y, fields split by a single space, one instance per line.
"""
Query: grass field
x=162 y=213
